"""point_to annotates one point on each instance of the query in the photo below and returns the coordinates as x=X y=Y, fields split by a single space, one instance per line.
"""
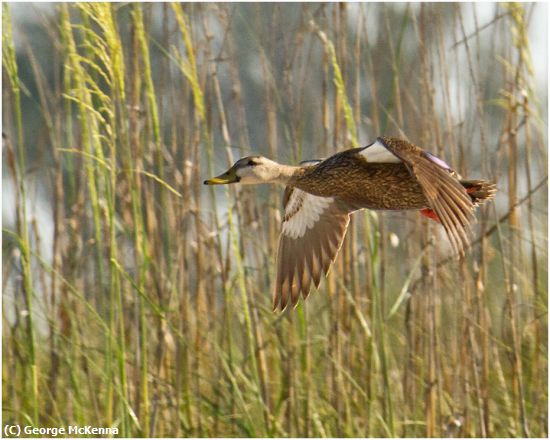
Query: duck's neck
x=287 y=173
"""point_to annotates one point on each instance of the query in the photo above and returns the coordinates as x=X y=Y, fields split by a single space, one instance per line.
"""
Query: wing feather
x=312 y=233
x=445 y=193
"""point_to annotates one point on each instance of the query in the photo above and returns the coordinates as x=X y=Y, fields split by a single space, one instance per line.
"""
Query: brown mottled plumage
x=352 y=179
x=389 y=174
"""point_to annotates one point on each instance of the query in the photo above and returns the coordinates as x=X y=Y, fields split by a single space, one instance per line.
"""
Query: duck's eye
x=251 y=163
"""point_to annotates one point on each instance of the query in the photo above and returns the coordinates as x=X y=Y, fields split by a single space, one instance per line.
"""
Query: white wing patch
x=302 y=211
x=377 y=152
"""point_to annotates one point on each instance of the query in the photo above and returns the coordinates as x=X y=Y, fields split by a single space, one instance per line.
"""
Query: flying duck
x=320 y=196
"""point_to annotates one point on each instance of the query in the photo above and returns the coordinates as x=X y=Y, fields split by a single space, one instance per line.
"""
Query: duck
x=389 y=174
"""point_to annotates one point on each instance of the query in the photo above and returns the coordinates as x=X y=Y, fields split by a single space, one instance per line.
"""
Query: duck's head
x=249 y=170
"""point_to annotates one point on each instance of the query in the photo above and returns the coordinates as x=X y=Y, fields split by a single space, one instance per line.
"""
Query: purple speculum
x=437 y=160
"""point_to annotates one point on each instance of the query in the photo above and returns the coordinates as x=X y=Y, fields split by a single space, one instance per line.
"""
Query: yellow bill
x=230 y=176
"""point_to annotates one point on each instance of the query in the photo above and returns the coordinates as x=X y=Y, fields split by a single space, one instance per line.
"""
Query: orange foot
x=427 y=212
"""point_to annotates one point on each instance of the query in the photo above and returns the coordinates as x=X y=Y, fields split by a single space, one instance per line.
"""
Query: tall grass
x=152 y=312
x=18 y=165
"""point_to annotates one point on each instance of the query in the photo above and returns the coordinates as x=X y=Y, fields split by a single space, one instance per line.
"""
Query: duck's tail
x=479 y=190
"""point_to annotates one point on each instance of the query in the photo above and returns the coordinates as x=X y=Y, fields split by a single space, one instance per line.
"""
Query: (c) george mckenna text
x=71 y=430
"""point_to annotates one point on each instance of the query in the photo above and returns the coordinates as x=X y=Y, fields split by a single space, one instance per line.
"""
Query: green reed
x=157 y=302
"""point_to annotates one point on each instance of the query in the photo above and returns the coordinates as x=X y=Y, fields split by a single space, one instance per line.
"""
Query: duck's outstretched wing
x=446 y=195
x=312 y=233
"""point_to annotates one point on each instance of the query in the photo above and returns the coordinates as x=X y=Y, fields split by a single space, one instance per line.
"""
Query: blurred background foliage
x=135 y=297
